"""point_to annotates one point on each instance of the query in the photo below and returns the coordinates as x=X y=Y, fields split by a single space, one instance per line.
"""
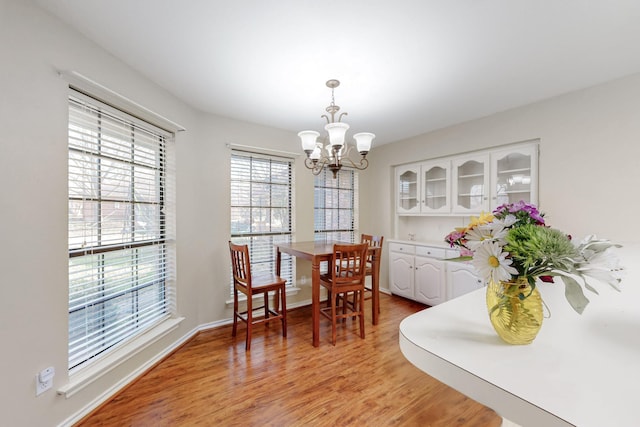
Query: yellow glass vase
x=515 y=311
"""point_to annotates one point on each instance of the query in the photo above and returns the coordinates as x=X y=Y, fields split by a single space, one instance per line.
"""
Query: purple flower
x=524 y=212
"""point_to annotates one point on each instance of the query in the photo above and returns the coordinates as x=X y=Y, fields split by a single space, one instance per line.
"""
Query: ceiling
x=406 y=67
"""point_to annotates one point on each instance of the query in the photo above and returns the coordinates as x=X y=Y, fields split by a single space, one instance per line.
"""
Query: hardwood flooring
x=211 y=381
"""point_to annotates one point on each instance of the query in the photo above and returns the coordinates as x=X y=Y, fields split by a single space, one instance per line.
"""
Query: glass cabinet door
x=436 y=187
x=514 y=177
x=471 y=184
x=407 y=190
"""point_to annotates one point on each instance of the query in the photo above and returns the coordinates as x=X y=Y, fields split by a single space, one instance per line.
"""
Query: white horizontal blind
x=120 y=257
x=261 y=209
x=336 y=206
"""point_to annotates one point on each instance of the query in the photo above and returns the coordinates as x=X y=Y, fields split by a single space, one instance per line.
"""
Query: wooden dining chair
x=373 y=242
x=250 y=285
x=346 y=275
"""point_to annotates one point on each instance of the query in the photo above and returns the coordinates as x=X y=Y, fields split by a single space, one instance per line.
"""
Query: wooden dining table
x=318 y=252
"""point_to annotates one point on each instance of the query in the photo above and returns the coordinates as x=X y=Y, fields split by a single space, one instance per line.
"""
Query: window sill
x=85 y=376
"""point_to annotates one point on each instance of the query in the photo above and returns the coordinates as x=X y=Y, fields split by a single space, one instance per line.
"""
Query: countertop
x=436 y=244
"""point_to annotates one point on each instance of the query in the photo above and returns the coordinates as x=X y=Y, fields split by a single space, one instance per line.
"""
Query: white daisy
x=507 y=221
x=491 y=232
x=477 y=236
x=492 y=263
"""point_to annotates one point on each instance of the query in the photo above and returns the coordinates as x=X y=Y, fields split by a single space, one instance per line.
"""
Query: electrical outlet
x=303 y=280
x=44 y=380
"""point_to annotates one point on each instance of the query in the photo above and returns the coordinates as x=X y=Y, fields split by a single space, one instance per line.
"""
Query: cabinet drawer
x=430 y=251
x=401 y=247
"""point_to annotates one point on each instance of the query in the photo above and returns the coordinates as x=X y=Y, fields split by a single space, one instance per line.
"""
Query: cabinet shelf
x=470 y=195
x=474 y=175
x=511 y=171
x=439 y=196
x=513 y=192
x=435 y=180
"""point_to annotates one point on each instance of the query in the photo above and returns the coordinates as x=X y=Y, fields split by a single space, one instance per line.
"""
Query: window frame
x=162 y=243
x=261 y=242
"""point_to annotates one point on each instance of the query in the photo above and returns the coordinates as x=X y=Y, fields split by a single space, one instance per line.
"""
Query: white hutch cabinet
x=482 y=182
x=436 y=187
x=408 y=189
x=468 y=184
x=514 y=175
x=424 y=188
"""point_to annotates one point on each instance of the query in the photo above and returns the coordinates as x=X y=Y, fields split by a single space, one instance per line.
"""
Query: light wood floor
x=210 y=381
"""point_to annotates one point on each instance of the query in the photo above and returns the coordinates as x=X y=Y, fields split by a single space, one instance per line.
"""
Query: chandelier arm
x=362 y=165
x=315 y=166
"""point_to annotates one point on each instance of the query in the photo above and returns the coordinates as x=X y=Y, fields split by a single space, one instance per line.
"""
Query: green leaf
x=574 y=294
x=589 y=287
x=461 y=258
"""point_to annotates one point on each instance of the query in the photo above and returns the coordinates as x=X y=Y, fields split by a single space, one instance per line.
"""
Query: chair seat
x=327 y=282
x=268 y=281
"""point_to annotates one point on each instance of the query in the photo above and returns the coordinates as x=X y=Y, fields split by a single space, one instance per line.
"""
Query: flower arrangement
x=514 y=242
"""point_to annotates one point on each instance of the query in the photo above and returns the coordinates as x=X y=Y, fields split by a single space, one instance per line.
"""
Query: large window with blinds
x=120 y=244
x=261 y=209
x=336 y=206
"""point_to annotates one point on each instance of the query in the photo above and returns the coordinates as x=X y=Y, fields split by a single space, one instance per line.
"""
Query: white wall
x=589 y=162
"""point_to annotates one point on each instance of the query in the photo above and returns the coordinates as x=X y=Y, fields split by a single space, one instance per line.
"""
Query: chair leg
x=247 y=345
x=361 y=313
x=266 y=307
x=345 y=299
x=235 y=313
x=333 y=318
x=283 y=297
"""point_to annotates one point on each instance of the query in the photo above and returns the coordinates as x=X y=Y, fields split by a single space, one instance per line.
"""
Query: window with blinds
x=261 y=209
x=120 y=256
x=336 y=206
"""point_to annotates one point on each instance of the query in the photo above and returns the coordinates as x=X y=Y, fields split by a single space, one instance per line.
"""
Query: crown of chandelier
x=335 y=153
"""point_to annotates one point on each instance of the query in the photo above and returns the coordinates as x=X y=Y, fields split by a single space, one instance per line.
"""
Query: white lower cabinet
x=461 y=279
x=414 y=272
x=421 y=273
x=429 y=280
x=401 y=274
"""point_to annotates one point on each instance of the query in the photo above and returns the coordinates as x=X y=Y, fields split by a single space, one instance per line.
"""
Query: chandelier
x=335 y=153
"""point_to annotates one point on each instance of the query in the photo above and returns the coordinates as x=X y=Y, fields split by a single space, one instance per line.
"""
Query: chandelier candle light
x=336 y=150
